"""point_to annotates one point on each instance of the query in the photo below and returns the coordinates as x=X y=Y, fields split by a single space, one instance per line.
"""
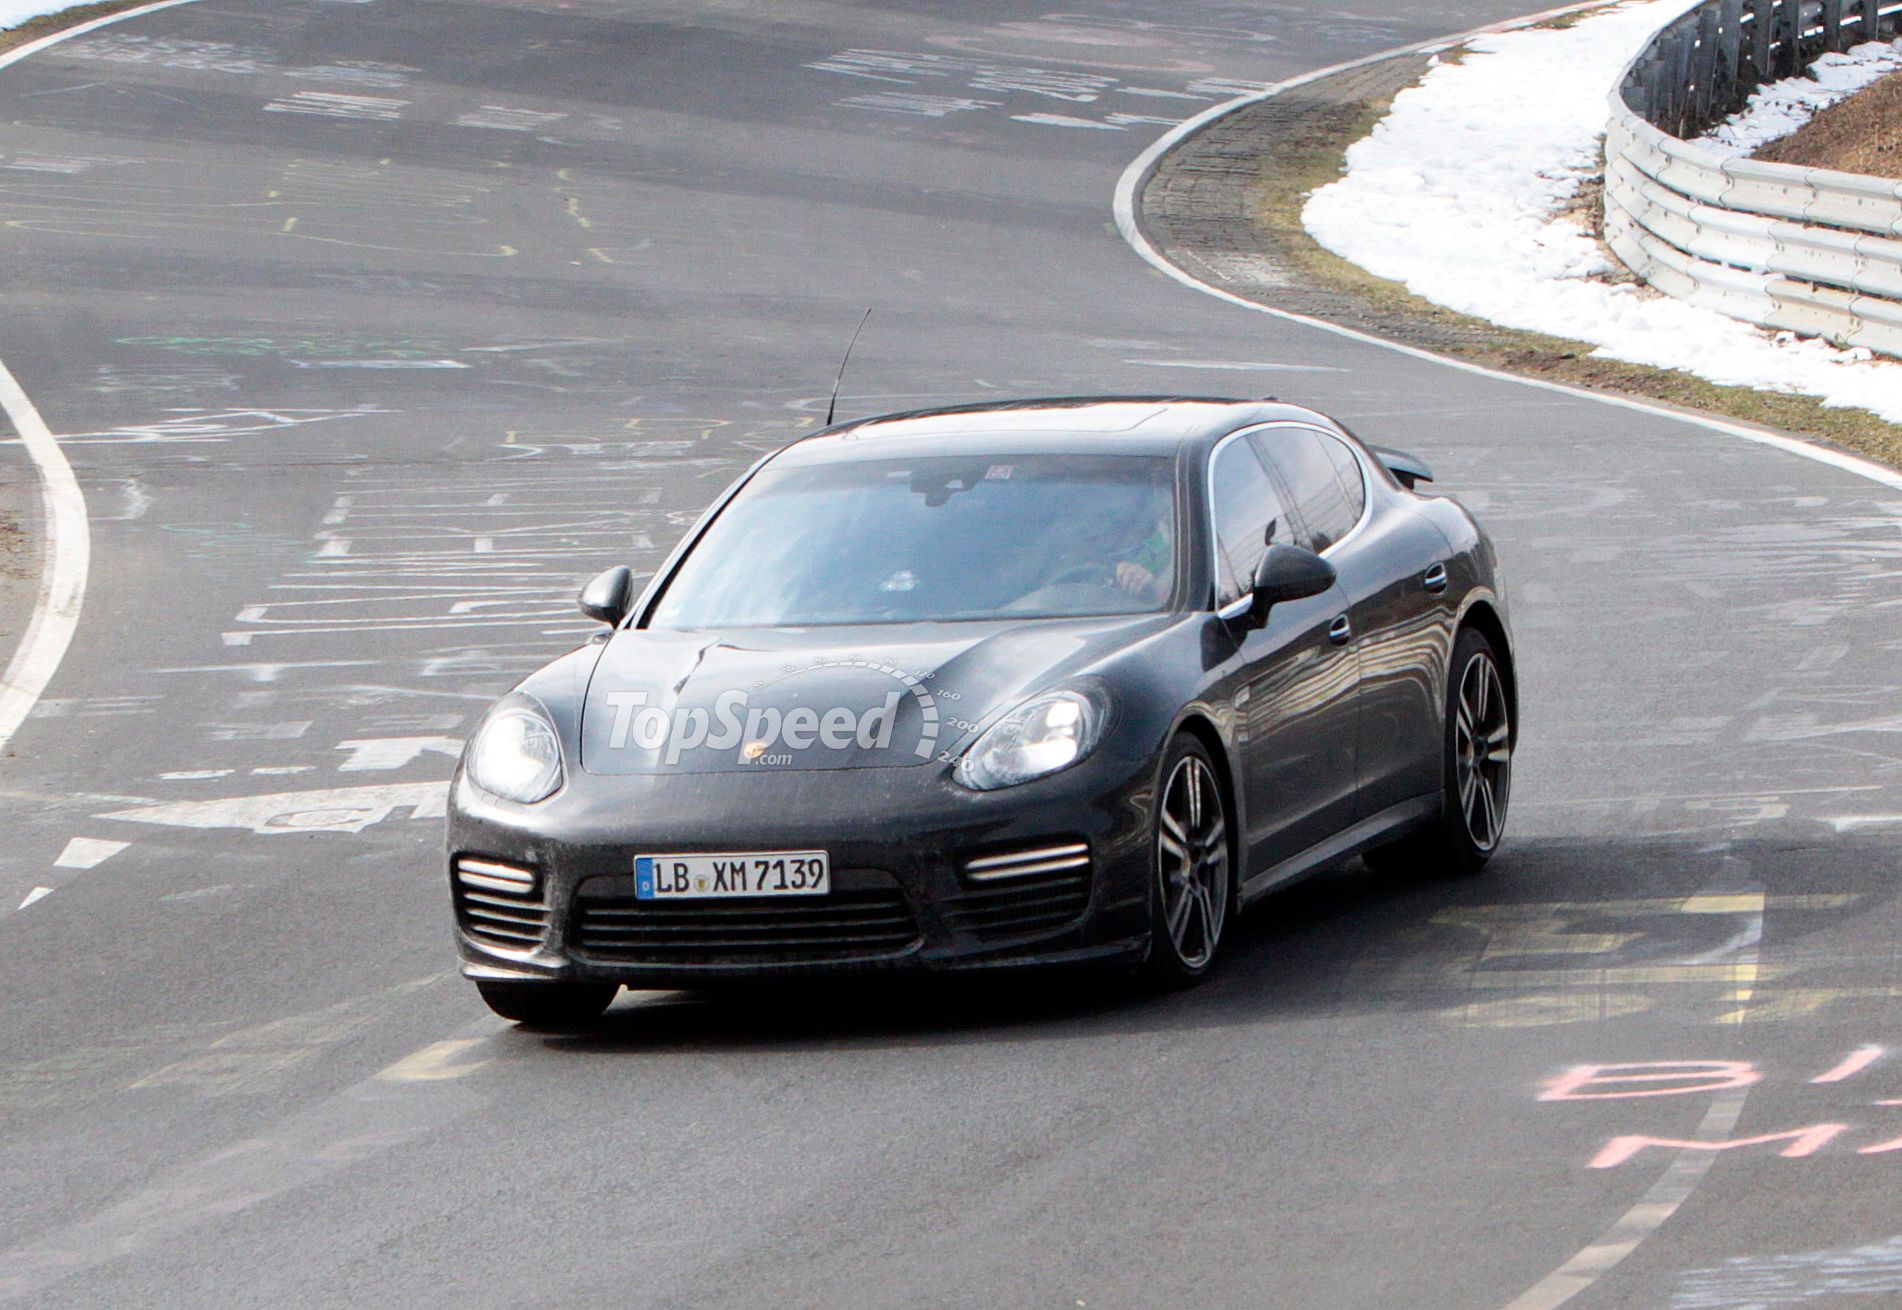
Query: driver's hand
x=1134 y=578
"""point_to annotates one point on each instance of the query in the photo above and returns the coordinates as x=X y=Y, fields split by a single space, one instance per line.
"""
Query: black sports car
x=1052 y=682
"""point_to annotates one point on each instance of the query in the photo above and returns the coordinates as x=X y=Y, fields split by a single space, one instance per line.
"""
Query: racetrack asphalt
x=372 y=329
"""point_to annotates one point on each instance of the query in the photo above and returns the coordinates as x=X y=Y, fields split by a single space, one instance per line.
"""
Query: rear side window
x=1324 y=479
x=1249 y=514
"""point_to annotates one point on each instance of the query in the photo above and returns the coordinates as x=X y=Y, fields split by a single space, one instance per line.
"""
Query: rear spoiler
x=1410 y=469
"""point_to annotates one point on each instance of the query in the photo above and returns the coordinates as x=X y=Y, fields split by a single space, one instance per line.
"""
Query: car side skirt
x=1374 y=830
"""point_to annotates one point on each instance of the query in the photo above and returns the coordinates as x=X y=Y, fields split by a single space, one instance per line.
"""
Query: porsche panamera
x=1059 y=682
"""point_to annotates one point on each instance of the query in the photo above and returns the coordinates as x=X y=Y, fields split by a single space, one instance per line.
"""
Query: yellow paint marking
x=290 y=224
x=1741 y=974
x=1751 y=903
x=435 y=1063
x=1802 y=1002
x=500 y=252
x=574 y=212
x=1547 y=1009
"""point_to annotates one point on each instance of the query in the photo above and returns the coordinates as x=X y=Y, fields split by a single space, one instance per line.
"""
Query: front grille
x=1022 y=893
x=500 y=903
x=869 y=918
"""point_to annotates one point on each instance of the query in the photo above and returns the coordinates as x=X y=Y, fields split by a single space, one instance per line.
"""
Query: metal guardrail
x=1806 y=249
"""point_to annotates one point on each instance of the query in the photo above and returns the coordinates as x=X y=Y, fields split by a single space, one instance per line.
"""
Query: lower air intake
x=865 y=921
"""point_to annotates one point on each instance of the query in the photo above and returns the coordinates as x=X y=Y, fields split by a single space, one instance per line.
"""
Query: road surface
x=373 y=328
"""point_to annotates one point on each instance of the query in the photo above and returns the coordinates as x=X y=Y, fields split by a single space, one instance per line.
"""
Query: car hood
x=824 y=698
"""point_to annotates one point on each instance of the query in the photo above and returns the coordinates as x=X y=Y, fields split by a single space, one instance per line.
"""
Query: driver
x=1144 y=574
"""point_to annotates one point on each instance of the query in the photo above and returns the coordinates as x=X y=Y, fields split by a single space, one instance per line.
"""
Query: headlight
x=1039 y=737
x=515 y=756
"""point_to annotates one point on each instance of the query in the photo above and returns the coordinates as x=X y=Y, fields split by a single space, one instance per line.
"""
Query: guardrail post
x=1704 y=70
x=1732 y=87
x=1857 y=21
x=1789 y=28
x=1683 y=52
x=1763 y=19
x=1658 y=91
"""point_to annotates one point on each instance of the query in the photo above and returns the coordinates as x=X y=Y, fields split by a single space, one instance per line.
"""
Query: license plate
x=706 y=877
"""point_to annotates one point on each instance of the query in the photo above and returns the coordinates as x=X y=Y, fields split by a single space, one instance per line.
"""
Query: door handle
x=1341 y=631
x=1435 y=579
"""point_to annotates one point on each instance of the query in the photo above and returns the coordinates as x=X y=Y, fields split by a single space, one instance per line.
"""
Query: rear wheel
x=1479 y=741
x=550 y=1007
x=1192 y=884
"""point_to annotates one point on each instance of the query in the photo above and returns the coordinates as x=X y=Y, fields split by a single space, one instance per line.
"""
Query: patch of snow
x=15 y=12
x=1777 y=110
x=1459 y=194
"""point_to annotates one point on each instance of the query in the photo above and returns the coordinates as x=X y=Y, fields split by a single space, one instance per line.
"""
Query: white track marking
x=333 y=809
x=88 y=853
x=1129 y=190
x=68 y=553
x=35 y=896
x=68 y=535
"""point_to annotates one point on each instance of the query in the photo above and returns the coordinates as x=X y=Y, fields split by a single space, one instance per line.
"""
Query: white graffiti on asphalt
x=216 y=425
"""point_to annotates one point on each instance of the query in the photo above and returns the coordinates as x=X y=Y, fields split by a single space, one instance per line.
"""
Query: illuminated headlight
x=1040 y=737
x=515 y=756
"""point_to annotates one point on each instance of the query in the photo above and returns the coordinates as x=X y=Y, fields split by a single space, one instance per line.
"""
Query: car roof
x=1101 y=425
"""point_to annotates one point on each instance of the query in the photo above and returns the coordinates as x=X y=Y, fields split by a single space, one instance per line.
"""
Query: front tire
x=1192 y=883
x=548 y=1007
x=1480 y=737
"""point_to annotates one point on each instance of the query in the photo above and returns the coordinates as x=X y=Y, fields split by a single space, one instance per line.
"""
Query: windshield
x=893 y=541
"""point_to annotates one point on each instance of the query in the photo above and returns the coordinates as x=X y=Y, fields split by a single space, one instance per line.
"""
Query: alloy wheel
x=1482 y=750
x=1192 y=860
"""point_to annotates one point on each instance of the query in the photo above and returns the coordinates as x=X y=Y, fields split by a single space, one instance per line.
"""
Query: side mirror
x=607 y=597
x=1411 y=470
x=1287 y=573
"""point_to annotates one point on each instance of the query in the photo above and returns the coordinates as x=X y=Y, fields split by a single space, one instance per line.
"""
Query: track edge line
x=68 y=532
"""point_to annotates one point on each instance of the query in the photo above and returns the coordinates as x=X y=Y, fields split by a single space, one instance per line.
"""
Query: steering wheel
x=1101 y=575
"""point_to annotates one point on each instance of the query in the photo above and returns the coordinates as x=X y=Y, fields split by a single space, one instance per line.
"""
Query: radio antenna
x=833 y=404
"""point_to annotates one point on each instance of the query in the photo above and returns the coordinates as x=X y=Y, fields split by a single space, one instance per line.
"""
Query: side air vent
x=500 y=903
x=1022 y=893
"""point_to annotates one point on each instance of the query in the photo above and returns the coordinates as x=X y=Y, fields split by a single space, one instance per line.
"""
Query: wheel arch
x=1483 y=617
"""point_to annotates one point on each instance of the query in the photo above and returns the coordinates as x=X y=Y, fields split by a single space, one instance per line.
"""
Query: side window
x=1324 y=479
x=1353 y=482
x=1248 y=515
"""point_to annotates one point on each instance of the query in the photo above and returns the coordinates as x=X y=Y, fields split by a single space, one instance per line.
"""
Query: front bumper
x=902 y=900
